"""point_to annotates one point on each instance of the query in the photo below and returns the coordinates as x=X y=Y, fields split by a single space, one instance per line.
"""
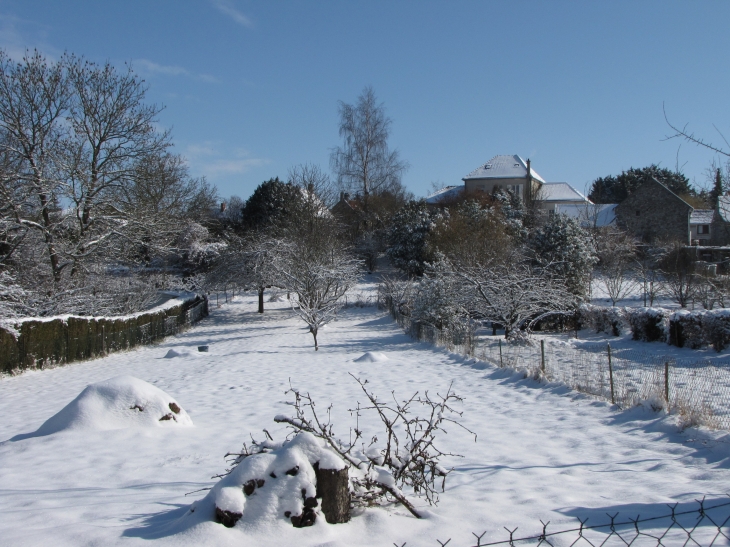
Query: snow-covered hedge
x=700 y=328
x=684 y=328
x=36 y=342
x=611 y=320
x=648 y=324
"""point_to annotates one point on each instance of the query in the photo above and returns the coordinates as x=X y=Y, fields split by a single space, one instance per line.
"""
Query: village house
x=654 y=213
x=512 y=173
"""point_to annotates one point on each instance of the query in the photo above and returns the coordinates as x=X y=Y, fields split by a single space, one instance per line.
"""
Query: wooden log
x=333 y=487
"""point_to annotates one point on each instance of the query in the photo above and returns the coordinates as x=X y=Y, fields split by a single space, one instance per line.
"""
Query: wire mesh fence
x=704 y=523
x=697 y=389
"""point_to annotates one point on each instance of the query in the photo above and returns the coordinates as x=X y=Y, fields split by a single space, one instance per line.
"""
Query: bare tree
x=616 y=251
x=318 y=278
x=365 y=163
x=679 y=272
x=34 y=97
x=516 y=294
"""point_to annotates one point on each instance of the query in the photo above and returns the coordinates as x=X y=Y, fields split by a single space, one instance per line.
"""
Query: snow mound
x=172 y=354
x=118 y=403
x=277 y=485
x=372 y=357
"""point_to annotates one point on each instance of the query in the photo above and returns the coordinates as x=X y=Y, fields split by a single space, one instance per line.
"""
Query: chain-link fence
x=703 y=523
x=697 y=389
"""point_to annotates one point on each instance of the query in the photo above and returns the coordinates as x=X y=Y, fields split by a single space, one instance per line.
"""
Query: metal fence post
x=542 y=356
x=666 y=383
x=610 y=375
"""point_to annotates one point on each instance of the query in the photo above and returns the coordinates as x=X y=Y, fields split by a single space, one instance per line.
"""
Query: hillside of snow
x=542 y=451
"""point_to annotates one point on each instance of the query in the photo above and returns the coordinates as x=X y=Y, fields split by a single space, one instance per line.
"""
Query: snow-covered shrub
x=564 y=249
x=396 y=296
x=700 y=328
x=118 y=403
x=408 y=248
x=611 y=320
x=648 y=324
x=437 y=302
x=685 y=329
x=717 y=328
x=275 y=481
x=404 y=455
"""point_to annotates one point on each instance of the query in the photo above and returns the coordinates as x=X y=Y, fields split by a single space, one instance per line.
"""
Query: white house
x=505 y=173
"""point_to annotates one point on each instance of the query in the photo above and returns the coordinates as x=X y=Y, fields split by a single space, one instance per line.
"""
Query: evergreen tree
x=563 y=249
x=271 y=205
x=615 y=189
x=408 y=248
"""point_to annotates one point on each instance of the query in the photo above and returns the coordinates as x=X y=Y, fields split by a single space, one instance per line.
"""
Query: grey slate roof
x=701 y=216
x=589 y=214
x=560 y=191
x=446 y=193
x=503 y=167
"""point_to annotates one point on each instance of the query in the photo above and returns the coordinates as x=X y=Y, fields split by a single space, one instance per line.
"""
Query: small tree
x=318 y=279
x=680 y=273
x=647 y=267
x=515 y=293
x=408 y=248
x=564 y=249
x=615 y=250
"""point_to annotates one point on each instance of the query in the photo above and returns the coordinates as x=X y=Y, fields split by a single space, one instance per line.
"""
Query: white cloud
x=227 y=8
x=145 y=66
x=19 y=35
x=213 y=160
x=231 y=167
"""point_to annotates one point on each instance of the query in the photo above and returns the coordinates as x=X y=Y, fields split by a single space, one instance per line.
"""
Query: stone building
x=654 y=213
x=505 y=173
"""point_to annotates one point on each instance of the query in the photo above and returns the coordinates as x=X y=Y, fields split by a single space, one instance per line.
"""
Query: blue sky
x=252 y=88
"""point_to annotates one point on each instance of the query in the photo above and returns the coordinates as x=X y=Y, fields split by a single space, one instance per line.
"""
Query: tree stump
x=334 y=489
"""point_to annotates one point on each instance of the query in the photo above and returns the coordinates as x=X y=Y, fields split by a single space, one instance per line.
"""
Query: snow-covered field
x=542 y=451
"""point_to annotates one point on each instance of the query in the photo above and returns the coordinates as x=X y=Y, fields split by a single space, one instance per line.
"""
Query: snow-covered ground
x=542 y=452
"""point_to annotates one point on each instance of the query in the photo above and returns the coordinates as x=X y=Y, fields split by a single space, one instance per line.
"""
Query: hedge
x=35 y=343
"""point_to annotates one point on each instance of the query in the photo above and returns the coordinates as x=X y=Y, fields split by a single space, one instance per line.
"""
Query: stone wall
x=653 y=212
x=35 y=343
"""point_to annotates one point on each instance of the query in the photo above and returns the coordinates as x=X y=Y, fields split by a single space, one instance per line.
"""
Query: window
x=703 y=229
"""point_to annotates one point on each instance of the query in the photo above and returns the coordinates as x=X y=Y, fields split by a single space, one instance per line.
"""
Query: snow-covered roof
x=589 y=214
x=560 y=191
x=701 y=216
x=503 y=167
x=445 y=194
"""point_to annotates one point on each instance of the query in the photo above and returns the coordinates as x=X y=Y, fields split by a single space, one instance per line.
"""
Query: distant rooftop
x=445 y=194
x=503 y=167
x=589 y=214
x=560 y=191
x=701 y=216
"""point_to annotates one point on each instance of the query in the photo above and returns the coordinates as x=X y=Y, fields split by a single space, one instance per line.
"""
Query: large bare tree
x=364 y=163
x=34 y=98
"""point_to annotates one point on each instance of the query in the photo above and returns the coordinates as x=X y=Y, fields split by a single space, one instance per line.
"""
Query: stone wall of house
x=653 y=212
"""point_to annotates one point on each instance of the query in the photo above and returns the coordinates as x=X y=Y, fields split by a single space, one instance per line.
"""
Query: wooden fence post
x=501 y=364
x=610 y=375
x=542 y=356
x=666 y=383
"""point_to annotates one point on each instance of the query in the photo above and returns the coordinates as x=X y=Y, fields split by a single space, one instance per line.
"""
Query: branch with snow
x=407 y=457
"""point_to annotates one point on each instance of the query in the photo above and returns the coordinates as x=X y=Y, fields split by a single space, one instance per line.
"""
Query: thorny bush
x=403 y=455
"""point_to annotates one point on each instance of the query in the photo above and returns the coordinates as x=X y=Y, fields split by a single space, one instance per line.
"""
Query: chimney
x=223 y=207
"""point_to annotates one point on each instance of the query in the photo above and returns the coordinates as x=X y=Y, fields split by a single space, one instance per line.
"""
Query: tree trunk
x=313 y=330
x=333 y=488
x=261 y=299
